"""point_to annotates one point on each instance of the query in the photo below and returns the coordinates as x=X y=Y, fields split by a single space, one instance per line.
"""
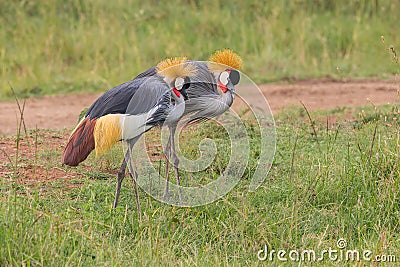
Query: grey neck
x=227 y=98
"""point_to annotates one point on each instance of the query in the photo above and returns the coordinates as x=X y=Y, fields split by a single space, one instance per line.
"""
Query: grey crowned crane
x=125 y=112
x=221 y=71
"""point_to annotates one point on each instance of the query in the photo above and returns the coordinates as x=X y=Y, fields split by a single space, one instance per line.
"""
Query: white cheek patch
x=223 y=78
x=179 y=82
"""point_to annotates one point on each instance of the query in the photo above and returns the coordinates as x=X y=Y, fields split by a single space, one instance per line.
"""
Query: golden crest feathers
x=175 y=67
x=225 y=57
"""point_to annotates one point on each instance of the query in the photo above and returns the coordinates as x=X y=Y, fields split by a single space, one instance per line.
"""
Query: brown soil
x=48 y=112
x=329 y=94
x=38 y=161
x=58 y=112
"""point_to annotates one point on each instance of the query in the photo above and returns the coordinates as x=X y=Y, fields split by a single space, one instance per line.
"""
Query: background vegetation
x=51 y=47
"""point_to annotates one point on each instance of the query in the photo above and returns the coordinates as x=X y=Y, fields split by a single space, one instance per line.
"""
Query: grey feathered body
x=146 y=101
x=148 y=90
x=156 y=103
x=204 y=100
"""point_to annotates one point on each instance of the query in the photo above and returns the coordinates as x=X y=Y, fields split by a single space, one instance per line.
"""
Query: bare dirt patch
x=58 y=112
x=38 y=159
x=48 y=112
x=329 y=94
x=40 y=164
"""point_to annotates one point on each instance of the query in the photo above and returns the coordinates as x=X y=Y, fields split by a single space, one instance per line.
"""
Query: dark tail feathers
x=80 y=143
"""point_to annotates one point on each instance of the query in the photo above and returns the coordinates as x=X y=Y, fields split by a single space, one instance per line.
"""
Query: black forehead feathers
x=234 y=77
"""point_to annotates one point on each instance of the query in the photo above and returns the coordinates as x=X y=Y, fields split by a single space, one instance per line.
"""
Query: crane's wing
x=204 y=100
x=148 y=95
x=203 y=83
x=116 y=100
x=204 y=108
x=163 y=107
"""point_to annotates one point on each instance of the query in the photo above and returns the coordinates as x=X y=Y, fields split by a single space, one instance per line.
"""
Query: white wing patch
x=135 y=125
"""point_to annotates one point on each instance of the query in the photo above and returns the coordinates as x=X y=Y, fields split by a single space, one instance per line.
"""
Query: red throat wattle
x=178 y=94
x=223 y=87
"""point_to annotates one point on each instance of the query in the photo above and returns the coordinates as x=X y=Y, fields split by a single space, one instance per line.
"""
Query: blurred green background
x=55 y=47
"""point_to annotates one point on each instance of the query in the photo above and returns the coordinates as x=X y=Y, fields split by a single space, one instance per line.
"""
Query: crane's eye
x=179 y=82
x=234 y=77
x=223 y=78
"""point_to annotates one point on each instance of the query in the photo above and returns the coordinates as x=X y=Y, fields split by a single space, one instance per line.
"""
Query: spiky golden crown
x=222 y=58
x=175 y=67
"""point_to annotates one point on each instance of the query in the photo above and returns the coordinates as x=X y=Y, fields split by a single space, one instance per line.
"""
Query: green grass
x=342 y=183
x=56 y=47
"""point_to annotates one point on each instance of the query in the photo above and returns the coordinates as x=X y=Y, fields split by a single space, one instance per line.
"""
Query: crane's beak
x=231 y=87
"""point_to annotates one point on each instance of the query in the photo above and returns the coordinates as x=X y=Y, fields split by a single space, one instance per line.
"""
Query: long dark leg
x=134 y=176
x=175 y=161
x=121 y=172
x=121 y=176
x=134 y=180
x=167 y=154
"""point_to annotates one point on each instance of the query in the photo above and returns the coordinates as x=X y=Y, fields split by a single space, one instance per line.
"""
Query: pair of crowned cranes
x=159 y=96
